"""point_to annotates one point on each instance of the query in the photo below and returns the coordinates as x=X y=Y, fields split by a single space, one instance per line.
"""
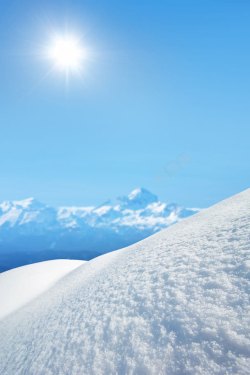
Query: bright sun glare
x=67 y=53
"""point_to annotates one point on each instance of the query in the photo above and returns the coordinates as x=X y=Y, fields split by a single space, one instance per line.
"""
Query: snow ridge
x=175 y=303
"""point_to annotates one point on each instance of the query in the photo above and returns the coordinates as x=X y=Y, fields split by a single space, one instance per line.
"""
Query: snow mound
x=175 y=303
x=21 y=285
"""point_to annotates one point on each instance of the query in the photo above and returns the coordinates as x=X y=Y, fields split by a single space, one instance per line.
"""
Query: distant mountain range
x=31 y=231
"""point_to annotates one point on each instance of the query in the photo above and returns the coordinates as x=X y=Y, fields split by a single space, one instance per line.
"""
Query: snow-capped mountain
x=176 y=303
x=31 y=231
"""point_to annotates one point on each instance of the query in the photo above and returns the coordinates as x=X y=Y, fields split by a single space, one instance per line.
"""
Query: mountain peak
x=30 y=203
x=138 y=198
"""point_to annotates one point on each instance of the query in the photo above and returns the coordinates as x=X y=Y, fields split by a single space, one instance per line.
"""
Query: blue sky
x=164 y=103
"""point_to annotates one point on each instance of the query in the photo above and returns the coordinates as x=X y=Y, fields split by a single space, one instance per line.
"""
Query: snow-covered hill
x=31 y=231
x=175 y=303
x=23 y=284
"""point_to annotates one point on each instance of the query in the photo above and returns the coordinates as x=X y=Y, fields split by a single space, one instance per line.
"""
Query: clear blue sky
x=164 y=104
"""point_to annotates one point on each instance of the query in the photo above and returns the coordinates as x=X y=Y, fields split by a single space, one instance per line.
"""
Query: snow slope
x=31 y=231
x=175 y=303
x=21 y=285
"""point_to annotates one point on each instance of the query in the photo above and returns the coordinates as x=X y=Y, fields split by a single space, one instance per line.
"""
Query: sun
x=67 y=53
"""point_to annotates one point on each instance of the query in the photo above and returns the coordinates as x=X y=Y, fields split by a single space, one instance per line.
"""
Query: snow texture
x=21 y=285
x=175 y=303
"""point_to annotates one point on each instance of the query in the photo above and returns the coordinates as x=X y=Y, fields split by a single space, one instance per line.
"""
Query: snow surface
x=21 y=285
x=175 y=303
